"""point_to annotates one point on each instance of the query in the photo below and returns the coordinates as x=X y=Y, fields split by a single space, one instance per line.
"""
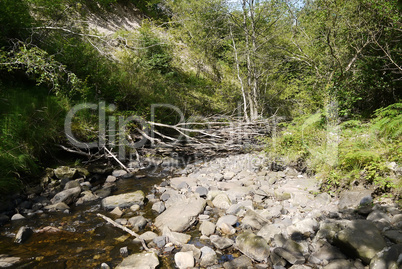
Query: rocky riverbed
x=231 y=212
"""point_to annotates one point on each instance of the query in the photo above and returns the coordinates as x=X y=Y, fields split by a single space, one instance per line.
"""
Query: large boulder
x=144 y=260
x=124 y=200
x=181 y=216
x=361 y=239
x=253 y=246
x=66 y=196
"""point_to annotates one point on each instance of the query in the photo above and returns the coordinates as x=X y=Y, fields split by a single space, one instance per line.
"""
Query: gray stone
x=159 y=207
x=104 y=266
x=253 y=220
x=181 y=216
x=228 y=219
x=124 y=251
x=176 y=181
x=378 y=215
x=119 y=173
x=207 y=228
x=362 y=238
x=326 y=252
x=222 y=201
x=208 y=257
x=141 y=260
x=135 y=208
x=57 y=207
x=138 y=223
x=340 y=264
x=388 y=258
x=221 y=242
x=86 y=196
x=351 y=199
x=306 y=227
x=229 y=175
x=124 y=200
x=277 y=260
x=117 y=212
x=291 y=257
x=242 y=262
x=394 y=235
x=72 y=184
x=165 y=197
x=253 y=246
x=160 y=241
x=268 y=231
x=17 y=217
x=194 y=249
x=367 y=200
x=110 y=179
x=66 y=196
x=184 y=260
x=202 y=191
x=148 y=236
x=176 y=238
x=6 y=261
x=23 y=234
x=65 y=173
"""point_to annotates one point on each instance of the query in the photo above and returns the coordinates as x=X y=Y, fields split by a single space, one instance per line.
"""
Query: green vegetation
x=331 y=67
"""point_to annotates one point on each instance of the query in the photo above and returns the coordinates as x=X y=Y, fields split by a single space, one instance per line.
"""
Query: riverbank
x=230 y=212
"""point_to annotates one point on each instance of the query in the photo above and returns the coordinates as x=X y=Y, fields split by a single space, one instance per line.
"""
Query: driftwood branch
x=115 y=224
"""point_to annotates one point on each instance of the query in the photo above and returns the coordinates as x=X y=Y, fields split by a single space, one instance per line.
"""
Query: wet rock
x=104 y=192
x=138 y=223
x=208 y=257
x=184 y=260
x=222 y=201
x=3 y=219
x=17 y=217
x=159 y=207
x=141 y=260
x=221 y=242
x=65 y=173
x=57 y=207
x=181 y=216
x=6 y=261
x=124 y=251
x=242 y=262
x=23 y=234
x=86 y=196
x=124 y=200
x=104 y=266
x=362 y=238
x=207 y=228
x=66 y=196
x=388 y=258
x=253 y=246
x=110 y=179
x=119 y=173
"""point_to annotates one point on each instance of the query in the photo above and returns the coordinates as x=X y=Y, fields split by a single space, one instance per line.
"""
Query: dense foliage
x=293 y=58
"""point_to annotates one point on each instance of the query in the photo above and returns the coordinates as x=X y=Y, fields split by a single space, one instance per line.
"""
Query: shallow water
x=86 y=241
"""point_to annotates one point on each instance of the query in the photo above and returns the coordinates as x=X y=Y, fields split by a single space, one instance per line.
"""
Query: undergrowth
x=346 y=154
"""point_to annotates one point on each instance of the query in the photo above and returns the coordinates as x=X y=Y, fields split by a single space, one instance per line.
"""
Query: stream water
x=85 y=240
